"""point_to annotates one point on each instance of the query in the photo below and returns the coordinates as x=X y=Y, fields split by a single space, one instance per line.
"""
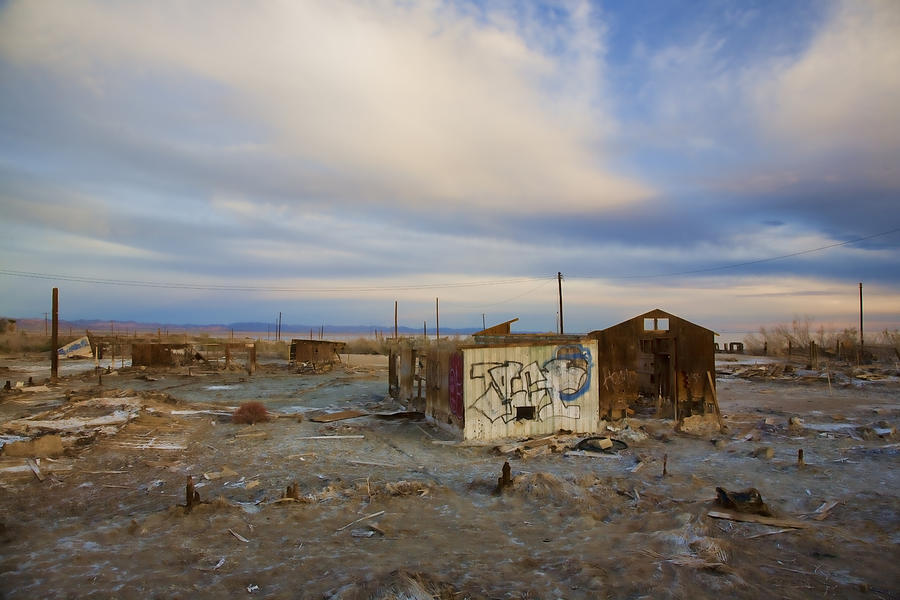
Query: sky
x=213 y=162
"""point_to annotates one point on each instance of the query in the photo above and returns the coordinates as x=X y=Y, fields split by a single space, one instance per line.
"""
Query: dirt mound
x=546 y=486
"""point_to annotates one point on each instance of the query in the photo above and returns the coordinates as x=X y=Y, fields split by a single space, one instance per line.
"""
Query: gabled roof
x=655 y=314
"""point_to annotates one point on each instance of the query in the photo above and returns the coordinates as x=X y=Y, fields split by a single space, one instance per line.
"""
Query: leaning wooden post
x=712 y=387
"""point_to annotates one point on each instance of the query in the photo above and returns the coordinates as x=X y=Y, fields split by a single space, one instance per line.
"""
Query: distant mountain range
x=126 y=327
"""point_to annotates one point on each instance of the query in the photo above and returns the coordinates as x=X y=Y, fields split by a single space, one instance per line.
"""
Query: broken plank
x=765 y=533
x=238 y=536
x=34 y=469
x=375 y=464
x=527 y=444
x=590 y=454
x=751 y=518
x=822 y=512
x=373 y=515
x=337 y=416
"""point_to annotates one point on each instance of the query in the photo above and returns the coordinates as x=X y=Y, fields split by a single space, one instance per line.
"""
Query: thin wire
x=239 y=288
x=466 y=308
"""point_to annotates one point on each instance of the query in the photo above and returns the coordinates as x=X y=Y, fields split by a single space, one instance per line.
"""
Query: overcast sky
x=332 y=157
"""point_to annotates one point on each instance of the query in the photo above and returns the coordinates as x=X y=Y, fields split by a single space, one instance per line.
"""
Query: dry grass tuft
x=249 y=413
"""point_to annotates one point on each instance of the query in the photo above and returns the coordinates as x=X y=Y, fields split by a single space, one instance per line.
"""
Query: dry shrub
x=249 y=413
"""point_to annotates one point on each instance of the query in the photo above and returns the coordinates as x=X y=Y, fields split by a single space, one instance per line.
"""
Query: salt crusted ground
x=105 y=520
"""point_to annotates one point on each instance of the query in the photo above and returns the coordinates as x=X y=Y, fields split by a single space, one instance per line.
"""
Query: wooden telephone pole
x=559 y=280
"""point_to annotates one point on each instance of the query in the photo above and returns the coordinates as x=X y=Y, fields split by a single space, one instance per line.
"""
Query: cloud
x=386 y=102
x=842 y=95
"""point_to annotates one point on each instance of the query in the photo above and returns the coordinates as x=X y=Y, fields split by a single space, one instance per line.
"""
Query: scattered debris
x=763 y=452
x=601 y=444
x=748 y=501
x=241 y=538
x=337 y=416
x=699 y=425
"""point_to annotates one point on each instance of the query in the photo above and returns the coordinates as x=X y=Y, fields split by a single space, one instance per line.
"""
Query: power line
x=429 y=286
x=743 y=264
x=242 y=288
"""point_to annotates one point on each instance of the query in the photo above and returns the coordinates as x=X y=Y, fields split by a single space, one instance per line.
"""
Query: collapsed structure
x=315 y=353
x=511 y=385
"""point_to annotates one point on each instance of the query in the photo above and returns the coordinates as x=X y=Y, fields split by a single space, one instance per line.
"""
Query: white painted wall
x=558 y=380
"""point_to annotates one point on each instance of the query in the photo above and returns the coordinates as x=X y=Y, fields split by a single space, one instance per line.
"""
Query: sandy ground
x=393 y=514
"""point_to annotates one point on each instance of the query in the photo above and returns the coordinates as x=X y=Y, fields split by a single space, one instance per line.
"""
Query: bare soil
x=393 y=514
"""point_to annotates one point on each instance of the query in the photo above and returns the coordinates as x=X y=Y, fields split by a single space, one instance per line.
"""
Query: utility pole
x=395 y=319
x=861 y=339
x=559 y=280
x=437 y=318
x=54 y=338
x=46 y=333
x=483 y=326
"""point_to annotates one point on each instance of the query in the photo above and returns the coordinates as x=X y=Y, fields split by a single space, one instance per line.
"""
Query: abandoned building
x=157 y=354
x=316 y=353
x=510 y=385
x=660 y=357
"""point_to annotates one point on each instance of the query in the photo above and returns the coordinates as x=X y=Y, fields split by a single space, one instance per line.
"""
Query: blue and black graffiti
x=552 y=388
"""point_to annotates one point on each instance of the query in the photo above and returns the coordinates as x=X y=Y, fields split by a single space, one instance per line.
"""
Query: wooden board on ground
x=337 y=416
x=751 y=518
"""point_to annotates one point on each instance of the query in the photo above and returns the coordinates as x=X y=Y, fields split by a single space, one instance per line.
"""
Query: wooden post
x=54 y=338
x=559 y=281
x=437 y=319
x=861 y=339
x=395 y=319
x=425 y=331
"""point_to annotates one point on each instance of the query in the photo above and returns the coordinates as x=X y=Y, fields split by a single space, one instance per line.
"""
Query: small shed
x=316 y=352
x=659 y=357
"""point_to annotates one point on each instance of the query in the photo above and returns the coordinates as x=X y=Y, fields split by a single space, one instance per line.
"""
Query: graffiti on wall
x=551 y=389
x=455 y=383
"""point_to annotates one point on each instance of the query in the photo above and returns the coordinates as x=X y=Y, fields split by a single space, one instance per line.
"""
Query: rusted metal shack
x=316 y=352
x=657 y=356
